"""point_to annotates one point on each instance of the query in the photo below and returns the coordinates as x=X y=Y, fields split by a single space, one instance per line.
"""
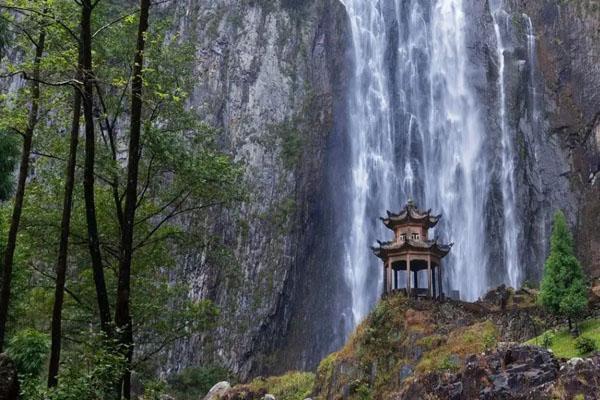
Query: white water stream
x=416 y=132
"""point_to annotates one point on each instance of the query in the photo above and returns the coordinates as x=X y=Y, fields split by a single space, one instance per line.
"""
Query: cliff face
x=555 y=111
x=273 y=75
x=569 y=54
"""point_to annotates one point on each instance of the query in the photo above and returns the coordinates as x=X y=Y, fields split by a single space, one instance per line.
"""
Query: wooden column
x=416 y=282
x=408 y=275
x=435 y=286
x=385 y=288
x=440 y=280
x=389 y=276
x=429 y=277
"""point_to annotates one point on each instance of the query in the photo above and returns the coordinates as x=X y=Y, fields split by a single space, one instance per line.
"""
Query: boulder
x=498 y=297
x=269 y=396
x=579 y=377
x=9 y=383
x=218 y=391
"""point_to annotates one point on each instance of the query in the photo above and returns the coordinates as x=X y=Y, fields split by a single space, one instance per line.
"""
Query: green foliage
x=547 y=339
x=585 y=345
x=89 y=374
x=361 y=389
x=183 y=171
x=563 y=343
x=449 y=363
x=489 y=340
x=563 y=290
x=195 y=382
x=291 y=386
x=8 y=161
x=29 y=349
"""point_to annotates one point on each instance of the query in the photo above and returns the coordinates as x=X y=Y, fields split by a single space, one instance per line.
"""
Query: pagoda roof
x=411 y=214
x=388 y=248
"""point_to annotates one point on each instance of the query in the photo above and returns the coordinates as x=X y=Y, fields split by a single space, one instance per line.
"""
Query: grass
x=291 y=386
x=563 y=344
x=462 y=342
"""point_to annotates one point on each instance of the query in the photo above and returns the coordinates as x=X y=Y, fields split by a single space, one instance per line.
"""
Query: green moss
x=470 y=340
x=432 y=341
x=326 y=365
x=291 y=386
x=563 y=344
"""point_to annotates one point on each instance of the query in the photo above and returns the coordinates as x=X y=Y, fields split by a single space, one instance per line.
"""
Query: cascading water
x=416 y=132
x=510 y=234
x=373 y=169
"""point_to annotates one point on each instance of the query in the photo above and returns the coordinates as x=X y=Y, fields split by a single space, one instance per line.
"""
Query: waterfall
x=373 y=172
x=510 y=231
x=531 y=59
x=415 y=131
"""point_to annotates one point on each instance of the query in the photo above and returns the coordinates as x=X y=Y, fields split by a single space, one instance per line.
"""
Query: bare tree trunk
x=63 y=249
x=88 y=173
x=11 y=243
x=122 y=313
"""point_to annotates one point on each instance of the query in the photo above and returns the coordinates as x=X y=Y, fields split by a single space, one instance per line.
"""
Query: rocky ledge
x=511 y=372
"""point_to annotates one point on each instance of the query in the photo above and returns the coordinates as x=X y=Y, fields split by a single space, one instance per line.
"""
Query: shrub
x=449 y=363
x=291 y=386
x=547 y=339
x=489 y=340
x=585 y=345
x=29 y=349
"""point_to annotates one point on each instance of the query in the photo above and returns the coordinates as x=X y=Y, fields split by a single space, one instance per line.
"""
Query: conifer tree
x=563 y=290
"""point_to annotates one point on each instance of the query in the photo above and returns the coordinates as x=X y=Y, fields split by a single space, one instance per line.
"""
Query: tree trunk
x=122 y=313
x=11 y=243
x=63 y=248
x=88 y=173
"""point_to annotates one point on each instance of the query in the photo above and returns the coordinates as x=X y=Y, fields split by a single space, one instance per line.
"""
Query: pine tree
x=563 y=290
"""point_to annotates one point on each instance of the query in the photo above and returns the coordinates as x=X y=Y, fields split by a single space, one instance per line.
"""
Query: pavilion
x=412 y=251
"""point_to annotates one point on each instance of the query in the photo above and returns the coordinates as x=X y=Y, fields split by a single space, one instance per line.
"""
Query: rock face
x=273 y=76
x=512 y=372
x=9 y=383
x=515 y=372
x=568 y=82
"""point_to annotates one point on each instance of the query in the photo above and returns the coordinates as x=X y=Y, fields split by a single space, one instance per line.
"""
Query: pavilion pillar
x=389 y=277
x=429 y=277
x=385 y=288
x=416 y=283
x=408 y=275
x=434 y=281
x=440 y=280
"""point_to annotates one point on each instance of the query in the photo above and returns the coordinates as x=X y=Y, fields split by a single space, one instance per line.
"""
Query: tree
x=11 y=243
x=122 y=312
x=87 y=7
x=563 y=291
x=138 y=228
x=65 y=226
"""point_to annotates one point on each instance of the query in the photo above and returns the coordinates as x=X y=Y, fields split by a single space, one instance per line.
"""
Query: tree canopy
x=109 y=100
x=563 y=290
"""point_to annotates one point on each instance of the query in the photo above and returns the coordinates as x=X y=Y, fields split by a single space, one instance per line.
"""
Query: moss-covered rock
x=404 y=342
x=291 y=386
